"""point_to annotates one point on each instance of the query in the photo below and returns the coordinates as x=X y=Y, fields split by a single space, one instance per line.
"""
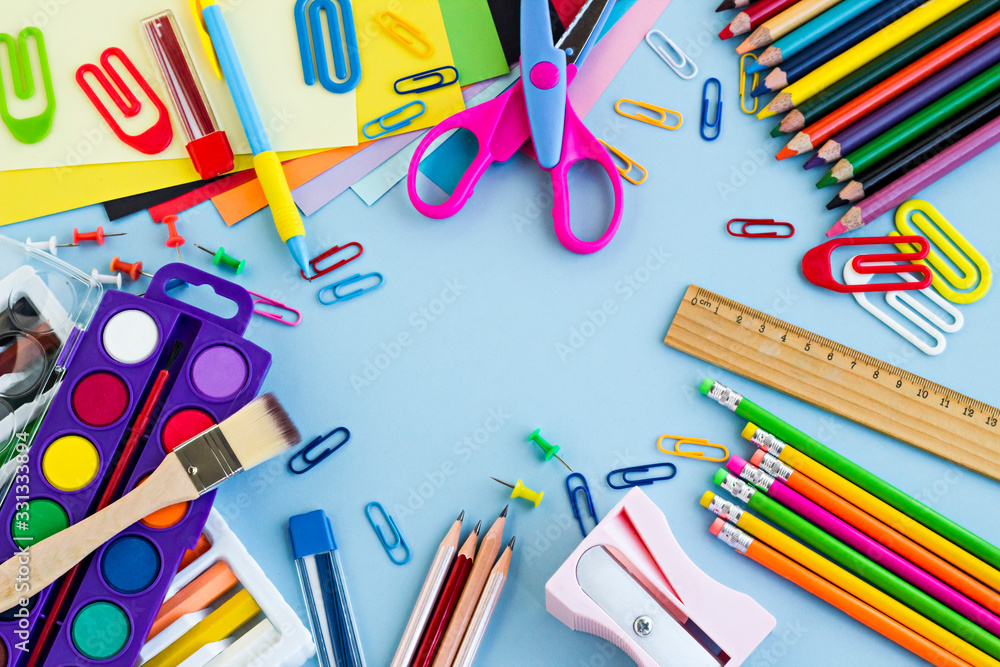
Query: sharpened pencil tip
x=827 y=180
x=504 y=513
x=785 y=153
x=476 y=529
x=510 y=545
x=813 y=162
x=836 y=202
x=461 y=516
x=777 y=131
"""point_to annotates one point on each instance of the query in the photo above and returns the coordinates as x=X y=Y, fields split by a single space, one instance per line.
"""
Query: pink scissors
x=540 y=111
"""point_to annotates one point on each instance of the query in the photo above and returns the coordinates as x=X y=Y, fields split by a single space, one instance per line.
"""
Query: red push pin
x=98 y=236
x=175 y=240
x=133 y=271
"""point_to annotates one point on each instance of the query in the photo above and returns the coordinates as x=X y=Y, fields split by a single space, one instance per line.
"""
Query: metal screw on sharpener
x=193 y=470
x=643 y=626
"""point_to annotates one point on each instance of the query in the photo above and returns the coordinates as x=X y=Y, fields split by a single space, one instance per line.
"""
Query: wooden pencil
x=466 y=606
x=831 y=46
x=732 y=4
x=884 y=92
x=914 y=181
x=857 y=56
x=484 y=610
x=912 y=156
x=753 y=16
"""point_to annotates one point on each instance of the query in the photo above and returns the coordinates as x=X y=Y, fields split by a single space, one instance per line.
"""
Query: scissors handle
x=580 y=144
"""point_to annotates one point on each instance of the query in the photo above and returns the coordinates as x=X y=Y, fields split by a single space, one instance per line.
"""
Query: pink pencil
x=847 y=533
x=913 y=182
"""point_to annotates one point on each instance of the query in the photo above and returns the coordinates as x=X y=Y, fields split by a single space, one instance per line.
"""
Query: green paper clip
x=34 y=129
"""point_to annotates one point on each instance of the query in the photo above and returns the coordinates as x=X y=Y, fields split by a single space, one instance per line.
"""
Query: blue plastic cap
x=311 y=534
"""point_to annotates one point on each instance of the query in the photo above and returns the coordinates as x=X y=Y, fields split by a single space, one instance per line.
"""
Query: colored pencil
x=906 y=186
x=753 y=16
x=424 y=606
x=826 y=49
x=862 y=612
x=898 y=164
x=464 y=610
x=851 y=536
x=484 y=610
x=907 y=104
x=860 y=564
x=732 y=4
x=874 y=506
x=874 y=73
x=445 y=606
x=857 y=56
x=888 y=537
x=838 y=576
x=911 y=129
x=781 y=24
x=806 y=35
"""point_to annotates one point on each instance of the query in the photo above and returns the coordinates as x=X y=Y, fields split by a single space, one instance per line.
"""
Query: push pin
x=49 y=246
x=176 y=240
x=97 y=236
x=133 y=271
x=115 y=280
x=521 y=491
x=220 y=257
x=548 y=449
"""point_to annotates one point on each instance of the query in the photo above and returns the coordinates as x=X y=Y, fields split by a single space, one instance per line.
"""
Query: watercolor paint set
x=153 y=357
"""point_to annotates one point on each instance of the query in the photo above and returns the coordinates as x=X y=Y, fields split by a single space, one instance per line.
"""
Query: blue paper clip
x=305 y=452
x=572 y=490
x=335 y=288
x=386 y=129
x=629 y=483
x=337 y=13
x=389 y=548
x=420 y=76
x=717 y=123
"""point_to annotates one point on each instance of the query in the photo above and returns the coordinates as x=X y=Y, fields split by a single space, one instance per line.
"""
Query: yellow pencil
x=783 y=23
x=889 y=515
x=840 y=577
x=859 y=55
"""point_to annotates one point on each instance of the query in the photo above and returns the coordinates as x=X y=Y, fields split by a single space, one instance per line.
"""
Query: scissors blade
x=543 y=70
x=582 y=33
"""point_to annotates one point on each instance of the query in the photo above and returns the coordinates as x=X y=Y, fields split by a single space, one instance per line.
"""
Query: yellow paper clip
x=659 y=122
x=405 y=34
x=629 y=164
x=700 y=442
x=941 y=233
x=743 y=83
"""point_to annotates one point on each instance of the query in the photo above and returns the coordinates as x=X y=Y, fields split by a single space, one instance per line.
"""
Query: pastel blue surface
x=487 y=328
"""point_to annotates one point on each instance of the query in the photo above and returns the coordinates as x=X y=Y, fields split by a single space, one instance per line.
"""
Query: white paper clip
x=667 y=57
x=906 y=303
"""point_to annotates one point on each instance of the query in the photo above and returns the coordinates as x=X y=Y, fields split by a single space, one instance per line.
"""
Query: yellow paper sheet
x=298 y=117
x=384 y=60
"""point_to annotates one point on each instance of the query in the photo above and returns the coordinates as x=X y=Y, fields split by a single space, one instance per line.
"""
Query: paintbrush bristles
x=259 y=431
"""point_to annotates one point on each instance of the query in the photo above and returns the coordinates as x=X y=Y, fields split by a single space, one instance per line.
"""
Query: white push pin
x=115 y=280
x=49 y=245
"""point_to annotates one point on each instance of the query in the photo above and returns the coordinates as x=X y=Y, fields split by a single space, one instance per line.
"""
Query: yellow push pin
x=521 y=491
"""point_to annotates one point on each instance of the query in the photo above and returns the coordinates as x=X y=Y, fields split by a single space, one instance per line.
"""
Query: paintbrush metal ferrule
x=208 y=459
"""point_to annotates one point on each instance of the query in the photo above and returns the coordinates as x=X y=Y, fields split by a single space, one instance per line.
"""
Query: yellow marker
x=70 y=463
x=220 y=624
x=943 y=234
x=521 y=491
x=658 y=122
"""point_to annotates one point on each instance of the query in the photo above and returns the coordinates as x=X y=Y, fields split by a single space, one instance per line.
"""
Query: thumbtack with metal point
x=521 y=491
x=220 y=257
x=115 y=280
x=97 y=236
x=49 y=246
x=133 y=270
x=175 y=240
x=548 y=449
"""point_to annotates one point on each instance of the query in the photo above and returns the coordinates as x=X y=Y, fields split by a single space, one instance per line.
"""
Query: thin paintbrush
x=259 y=431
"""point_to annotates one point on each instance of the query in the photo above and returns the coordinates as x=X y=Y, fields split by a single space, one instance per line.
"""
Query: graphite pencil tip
x=510 y=545
x=476 y=529
x=504 y=513
x=461 y=515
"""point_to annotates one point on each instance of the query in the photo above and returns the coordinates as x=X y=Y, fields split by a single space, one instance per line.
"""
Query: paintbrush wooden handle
x=27 y=573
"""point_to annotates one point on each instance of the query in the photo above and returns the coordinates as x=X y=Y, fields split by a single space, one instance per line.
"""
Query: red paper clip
x=816 y=264
x=317 y=272
x=763 y=222
x=152 y=141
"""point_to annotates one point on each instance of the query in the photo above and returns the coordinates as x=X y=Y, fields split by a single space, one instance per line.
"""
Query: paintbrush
x=259 y=431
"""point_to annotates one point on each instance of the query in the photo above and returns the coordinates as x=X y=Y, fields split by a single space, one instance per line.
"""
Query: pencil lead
x=476 y=529
x=785 y=153
x=726 y=4
x=461 y=516
x=777 y=131
x=813 y=162
x=827 y=180
x=504 y=513
x=761 y=89
x=510 y=545
x=836 y=202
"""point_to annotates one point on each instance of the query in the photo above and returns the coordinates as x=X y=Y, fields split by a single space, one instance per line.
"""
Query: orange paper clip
x=629 y=165
x=649 y=120
x=699 y=442
x=405 y=34
x=760 y=222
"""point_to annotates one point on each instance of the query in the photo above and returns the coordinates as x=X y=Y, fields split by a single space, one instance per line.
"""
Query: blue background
x=516 y=296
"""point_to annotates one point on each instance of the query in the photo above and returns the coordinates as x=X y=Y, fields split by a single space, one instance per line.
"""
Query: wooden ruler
x=836 y=378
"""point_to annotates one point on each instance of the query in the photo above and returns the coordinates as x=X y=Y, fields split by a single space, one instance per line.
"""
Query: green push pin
x=220 y=257
x=521 y=491
x=548 y=449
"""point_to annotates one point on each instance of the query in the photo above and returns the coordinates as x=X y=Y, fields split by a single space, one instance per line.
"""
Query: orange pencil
x=902 y=545
x=753 y=16
x=824 y=590
x=892 y=87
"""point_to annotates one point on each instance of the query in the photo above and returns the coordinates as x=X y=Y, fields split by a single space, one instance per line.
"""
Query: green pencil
x=913 y=128
x=859 y=564
x=885 y=65
x=846 y=468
